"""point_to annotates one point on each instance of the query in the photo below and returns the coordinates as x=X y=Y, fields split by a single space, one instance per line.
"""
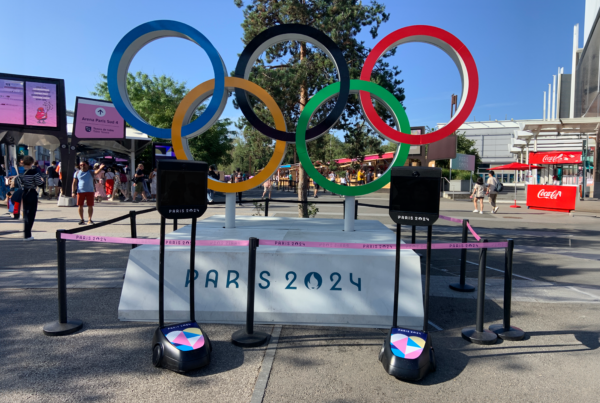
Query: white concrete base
x=309 y=286
x=66 y=201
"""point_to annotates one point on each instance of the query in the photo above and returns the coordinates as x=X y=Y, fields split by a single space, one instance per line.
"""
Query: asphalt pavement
x=556 y=297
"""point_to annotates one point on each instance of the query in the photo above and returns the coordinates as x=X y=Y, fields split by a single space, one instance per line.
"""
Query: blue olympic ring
x=126 y=50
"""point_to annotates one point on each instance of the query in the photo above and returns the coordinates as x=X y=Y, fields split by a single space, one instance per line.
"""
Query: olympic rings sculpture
x=183 y=129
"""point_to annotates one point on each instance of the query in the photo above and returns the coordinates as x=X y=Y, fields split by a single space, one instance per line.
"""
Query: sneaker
x=29 y=239
x=476 y=211
x=496 y=209
x=135 y=201
x=481 y=212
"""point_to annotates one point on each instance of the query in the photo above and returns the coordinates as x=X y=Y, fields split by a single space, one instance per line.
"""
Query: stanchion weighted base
x=62 y=329
x=462 y=287
x=243 y=339
x=512 y=334
x=485 y=337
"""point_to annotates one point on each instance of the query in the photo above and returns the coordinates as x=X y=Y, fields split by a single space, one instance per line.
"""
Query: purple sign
x=11 y=102
x=41 y=104
x=95 y=119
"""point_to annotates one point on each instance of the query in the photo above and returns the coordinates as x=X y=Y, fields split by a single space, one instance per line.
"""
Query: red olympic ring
x=455 y=49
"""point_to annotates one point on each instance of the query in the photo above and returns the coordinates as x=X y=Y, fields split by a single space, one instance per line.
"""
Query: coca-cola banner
x=555 y=157
x=553 y=198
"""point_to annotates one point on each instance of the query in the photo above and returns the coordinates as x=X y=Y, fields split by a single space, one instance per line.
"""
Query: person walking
x=125 y=188
x=479 y=193
x=3 y=187
x=52 y=175
x=268 y=186
x=29 y=181
x=492 y=191
x=138 y=179
x=209 y=192
x=117 y=184
x=83 y=184
x=99 y=182
x=109 y=185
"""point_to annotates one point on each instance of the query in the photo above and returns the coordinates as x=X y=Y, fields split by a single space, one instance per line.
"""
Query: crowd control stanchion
x=63 y=326
x=505 y=331
x=461 y=285
x=267 y=207
x=133 y=225
x=413 y=238
x=248 y=337
x=180 y=347
x=356 y=209
x=175 y=224
x=479 y=335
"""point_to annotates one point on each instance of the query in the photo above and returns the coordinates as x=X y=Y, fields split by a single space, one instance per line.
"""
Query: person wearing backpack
x=492 y=191
x=52 y=180
x=27 y=183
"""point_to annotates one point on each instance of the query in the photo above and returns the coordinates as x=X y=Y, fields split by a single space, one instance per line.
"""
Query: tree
x=294 y=71
x=156 y=99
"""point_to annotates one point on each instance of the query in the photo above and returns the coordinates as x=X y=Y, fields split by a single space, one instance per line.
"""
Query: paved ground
x=556 y=300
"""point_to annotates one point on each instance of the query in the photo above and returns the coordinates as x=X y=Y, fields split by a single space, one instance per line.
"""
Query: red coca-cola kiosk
x=553 y=197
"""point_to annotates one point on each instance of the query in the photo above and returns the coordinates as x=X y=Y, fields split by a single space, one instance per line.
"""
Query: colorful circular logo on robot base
x=404 y=346
x=187 y=339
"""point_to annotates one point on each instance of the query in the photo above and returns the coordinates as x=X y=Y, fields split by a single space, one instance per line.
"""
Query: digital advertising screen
x=40 y=104
x=163 y=152
x=98 y=120
x=12 y=102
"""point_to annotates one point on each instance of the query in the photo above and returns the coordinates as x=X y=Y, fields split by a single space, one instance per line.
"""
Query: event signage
x=29 y=101
x=553 y=198
x=98 y=120
x=463 y=162
x=553 y=158
x=219 y=88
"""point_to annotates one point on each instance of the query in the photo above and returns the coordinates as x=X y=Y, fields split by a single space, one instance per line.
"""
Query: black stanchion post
x=63 y=326
x=133 y=224
x=175 y=224
x=267 y=207
x=396 y=278
x=161 y=274
x=248 y=337
x=479 y=335
x=462 y=286
x=413 y=238
x=193 y=271
x=355 y=209
x=505 y=331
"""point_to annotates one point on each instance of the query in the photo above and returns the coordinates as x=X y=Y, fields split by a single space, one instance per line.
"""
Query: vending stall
x=558 y=181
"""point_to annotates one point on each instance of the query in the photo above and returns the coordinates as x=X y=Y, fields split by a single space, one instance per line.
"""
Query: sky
x=517 y=45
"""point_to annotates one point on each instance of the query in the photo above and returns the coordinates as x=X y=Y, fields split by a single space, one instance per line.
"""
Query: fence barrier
x=248 y=337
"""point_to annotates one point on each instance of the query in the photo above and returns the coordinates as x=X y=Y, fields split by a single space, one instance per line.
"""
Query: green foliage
x=294 y=71
x=312 y=210
x=259 y=209
x=156 y=99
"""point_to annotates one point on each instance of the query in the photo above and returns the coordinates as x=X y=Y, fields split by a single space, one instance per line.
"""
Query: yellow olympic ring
x=189 y=102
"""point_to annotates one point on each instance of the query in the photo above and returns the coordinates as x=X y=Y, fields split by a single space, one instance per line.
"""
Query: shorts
x=479 y=198
x=139 y=187
x=52 y=181
x=85 y=196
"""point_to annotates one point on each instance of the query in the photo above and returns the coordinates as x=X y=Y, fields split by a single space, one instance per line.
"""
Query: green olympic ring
x=385 y=98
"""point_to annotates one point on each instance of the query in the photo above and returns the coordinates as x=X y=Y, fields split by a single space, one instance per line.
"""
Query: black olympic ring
x=292 y=32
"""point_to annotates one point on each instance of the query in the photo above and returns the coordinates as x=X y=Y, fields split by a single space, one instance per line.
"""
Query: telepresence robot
x=181 y=193
x=414 y=200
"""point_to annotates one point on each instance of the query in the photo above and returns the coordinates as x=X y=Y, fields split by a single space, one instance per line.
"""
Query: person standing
x=3 y=187
x=237 y=178
x=83 y=183
x=138 y=179
x=29 y=181
x=117 y=184
x=153 y=180
x=479 y=195
x=209 y=192
x=492 y=191
x=369 y=176
x=268 y=186
x=52 y=180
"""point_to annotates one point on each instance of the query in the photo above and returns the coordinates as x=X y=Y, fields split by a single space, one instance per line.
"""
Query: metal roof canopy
x=553 y=127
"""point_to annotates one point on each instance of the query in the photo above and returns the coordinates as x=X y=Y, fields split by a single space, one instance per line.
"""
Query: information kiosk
x=414 y=200
x=181 y=193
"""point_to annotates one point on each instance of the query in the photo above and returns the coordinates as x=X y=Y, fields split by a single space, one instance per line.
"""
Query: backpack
x=123 y=178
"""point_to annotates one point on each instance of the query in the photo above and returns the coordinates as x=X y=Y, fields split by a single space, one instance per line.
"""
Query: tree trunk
x=302 y=176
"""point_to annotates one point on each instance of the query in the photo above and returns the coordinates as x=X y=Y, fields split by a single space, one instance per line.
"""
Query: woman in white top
x=479 y=193
x=152 y=178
